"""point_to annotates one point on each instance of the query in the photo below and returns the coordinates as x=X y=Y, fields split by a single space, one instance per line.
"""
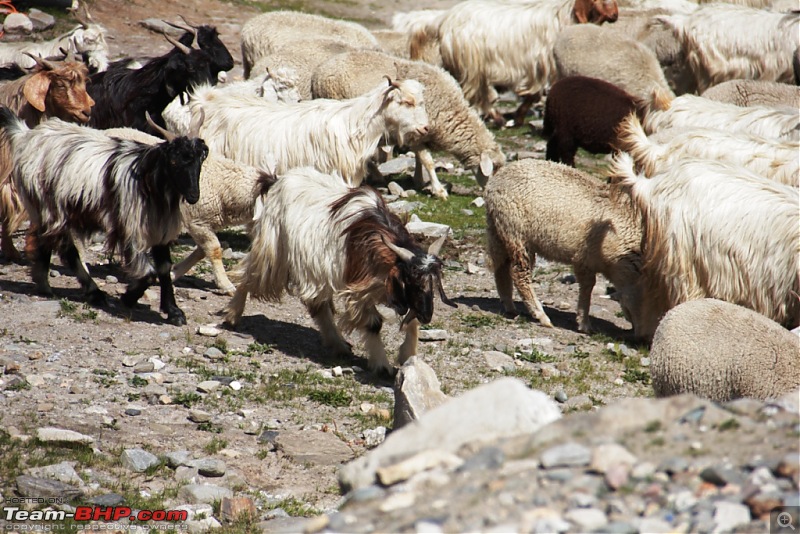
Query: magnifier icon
x=785 y=520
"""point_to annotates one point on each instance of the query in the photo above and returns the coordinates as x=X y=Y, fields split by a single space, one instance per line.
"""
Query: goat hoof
x=96 y=298
x=176 y=318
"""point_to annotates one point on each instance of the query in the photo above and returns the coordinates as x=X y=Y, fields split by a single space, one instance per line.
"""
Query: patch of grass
x=208 y=426
x=537 y=357
x=653 y=426
x=81 y=314
x=137 y=381
x=331 y=397
x=258 y=349
x=221 y=344
x=729 y=424
x=295 y=507
x=215 y=445
x=451 y=213
x=479 y=320
x=104 y=377
x=19 y=386
x=186 y=399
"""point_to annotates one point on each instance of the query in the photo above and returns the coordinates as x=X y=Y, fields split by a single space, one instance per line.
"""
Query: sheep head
x=59 y=90
x=595 y=11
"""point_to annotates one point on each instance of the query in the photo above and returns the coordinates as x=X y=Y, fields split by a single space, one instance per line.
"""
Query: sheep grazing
x=717 y=230
x=722 y=351
x=727 y=42
x=454 y=127
x=123 y=96
x=583 y=112
x=74 y=181
x=538 y=207
x=597 y=52
x=55 y=90
x=322 y=241
x=335 y=137
x=264 y=34
x=747 y=93
x=488 y=43
x=690 y=111
x=775 y=160
x=87 y=40
x=227 y=198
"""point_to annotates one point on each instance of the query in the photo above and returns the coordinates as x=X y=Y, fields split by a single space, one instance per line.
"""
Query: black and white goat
x=74 y=181
x=123 y=95
x=320 y=239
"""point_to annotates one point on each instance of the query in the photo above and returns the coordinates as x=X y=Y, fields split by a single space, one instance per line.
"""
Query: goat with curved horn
x=183 y=27
x=177 y=44
x=42 y=62
x=166 y=134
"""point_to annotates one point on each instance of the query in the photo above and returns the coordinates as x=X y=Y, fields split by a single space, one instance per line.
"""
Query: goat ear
x=581 y=10
x=35 y=90
x=487 y=167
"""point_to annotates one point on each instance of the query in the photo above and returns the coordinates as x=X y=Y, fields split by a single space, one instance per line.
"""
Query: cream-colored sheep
x=454 y=126
x=565 y=215
x=264 y=34
x=227 y=197
x=722 y=351
x=748 y=93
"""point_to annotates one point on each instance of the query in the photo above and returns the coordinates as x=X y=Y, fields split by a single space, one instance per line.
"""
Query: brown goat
x=53 y=90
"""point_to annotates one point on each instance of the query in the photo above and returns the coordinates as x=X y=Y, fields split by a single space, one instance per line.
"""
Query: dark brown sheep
x=582 y=112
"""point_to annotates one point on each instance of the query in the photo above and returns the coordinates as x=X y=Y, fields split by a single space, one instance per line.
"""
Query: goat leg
x=71 y=256
x=40 y=271
x=163 y=262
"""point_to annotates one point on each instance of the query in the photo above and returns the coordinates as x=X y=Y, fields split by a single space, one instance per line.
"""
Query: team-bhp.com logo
x=96 y=513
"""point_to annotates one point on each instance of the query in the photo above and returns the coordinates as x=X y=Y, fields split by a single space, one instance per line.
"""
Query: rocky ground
x=250 y=429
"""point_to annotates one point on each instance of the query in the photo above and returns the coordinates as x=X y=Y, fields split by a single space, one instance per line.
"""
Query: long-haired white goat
x=717 y=230
x=773 y=159
x=334 y=136
x=320 y=240
x=725 y=42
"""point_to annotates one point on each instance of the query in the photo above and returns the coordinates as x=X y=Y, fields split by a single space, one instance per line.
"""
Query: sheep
x=123 y=96
x=583 y=112
x=747 y=93
x=227 y=198
x=264 y=34
x=55 y=90
x=74 y=181
x=408 y=24
x=87 y=39
x=393 y=42
x=302 y=58
x=277 y=86
x=717 y=230
x=487 y=43
x=454 y=127
x=539 y=207
x=321 y=240
x=409 y=21
x=595 y=52
x=691 y=111
x=722 y=351
x=775 y=160
x=335 y=137
x=725 y=42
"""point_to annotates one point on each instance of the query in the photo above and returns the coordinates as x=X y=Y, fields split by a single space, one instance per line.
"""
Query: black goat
x=208 y=40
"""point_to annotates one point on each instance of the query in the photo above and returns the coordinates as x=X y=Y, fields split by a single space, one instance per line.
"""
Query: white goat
x=335 y=137
x=725 y=42
x=717 y=230
x=776 y=160
x=321 y=240
x=87 y=39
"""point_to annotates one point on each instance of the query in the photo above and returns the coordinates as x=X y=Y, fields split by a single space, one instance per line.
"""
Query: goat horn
x=69 y=55
x=180 y=46
x=42 y=62
x=402 y=253
x=185 y=20
x=436 y=246
x=183 y=27
x=391 y=83
x=442 y=295
x=169 y=136
x=84 y=19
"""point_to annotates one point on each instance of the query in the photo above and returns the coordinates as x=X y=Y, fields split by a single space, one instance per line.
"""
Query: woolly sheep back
x=747 y=93
x=722 y=351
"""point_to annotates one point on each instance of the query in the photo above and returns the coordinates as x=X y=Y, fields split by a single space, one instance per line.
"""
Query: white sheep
x=597 y=52
x=454 y=127
x=275 y=86
x=773 y=159
x=691 y=111
x=722 y=351
x=717 y=230
x=488 y=43
x=725 y=42
x=263 y=34
x=323 y=241
x=337 y=137
x=747 y=93
x=228 y=194
x=565 y=215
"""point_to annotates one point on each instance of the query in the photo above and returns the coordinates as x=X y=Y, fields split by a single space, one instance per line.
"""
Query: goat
x=319 y=239
x=74 y=181
x=208 y=40
x=55 y=90
x=123 y=95
x=335 y=137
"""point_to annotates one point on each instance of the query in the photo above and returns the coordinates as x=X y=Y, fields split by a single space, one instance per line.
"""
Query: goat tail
x=423 y=39
x=623 y=170
x=632 y=139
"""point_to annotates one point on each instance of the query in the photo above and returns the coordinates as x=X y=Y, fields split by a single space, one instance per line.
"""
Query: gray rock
x=268 y=437
x=673 y=465
x=63 y=472
x=144 y=367
x=618 y=527
x=423 y=461
x=720 y=475
x=582 y=500
x=579 y=403
x=478 y=202
x=416 y=391
x=609 y=454
x=133 y=412
x=586 y=519
x=427 y=229
x=175 y=459
x=654 y=525
x=159 y=26
x=499 y=361
x=209 y=467
x=403 y=206
x=318 y=448
x=41 y=21
x=433 y=335
x=34 y=487
x=203 y=493
x=561 y=396
x=399 y=165
x=503 y=408
x=60 y=435
x=207 y=386
x=486 y=458
x=566 y=455
x=107 y=499
x=395 y=189
x=213 y=353
x=374 y=436
x=138 y=460
x=17 y=23
x=729 y=515
x=199 y=416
